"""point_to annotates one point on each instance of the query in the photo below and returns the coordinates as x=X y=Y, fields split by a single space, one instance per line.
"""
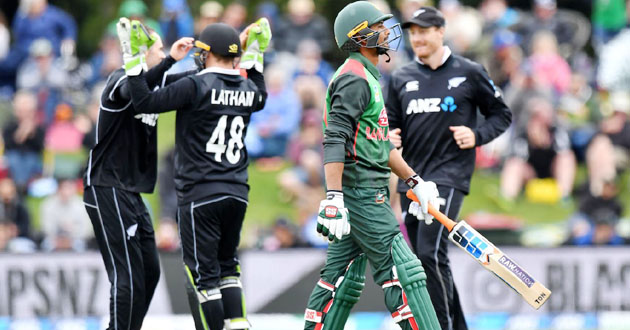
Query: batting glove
x=332 y=220
x=427 y=193
x=135 y=40
x=258 y=40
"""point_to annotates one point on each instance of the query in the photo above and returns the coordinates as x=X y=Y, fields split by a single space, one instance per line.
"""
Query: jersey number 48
x=216 y=145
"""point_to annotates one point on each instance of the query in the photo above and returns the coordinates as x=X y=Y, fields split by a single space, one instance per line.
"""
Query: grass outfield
x=266 y=203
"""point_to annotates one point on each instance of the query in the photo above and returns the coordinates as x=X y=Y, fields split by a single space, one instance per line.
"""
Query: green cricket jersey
x=356 y=129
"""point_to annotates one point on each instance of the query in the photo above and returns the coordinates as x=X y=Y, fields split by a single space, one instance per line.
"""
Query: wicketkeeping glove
x=427 y=193
x=258 y=40
x=135 y=40
x=332 y=220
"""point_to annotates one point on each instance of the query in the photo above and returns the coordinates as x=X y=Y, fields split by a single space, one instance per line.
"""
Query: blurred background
x=563 y=68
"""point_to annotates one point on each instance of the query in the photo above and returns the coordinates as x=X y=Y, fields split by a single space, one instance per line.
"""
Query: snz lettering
x=49 y=292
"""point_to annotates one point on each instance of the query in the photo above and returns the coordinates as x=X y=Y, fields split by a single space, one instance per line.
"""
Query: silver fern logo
x=455 y=82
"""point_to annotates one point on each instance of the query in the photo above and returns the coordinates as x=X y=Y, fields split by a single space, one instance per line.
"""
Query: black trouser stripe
x=437 y=263
x=124 y=236
x=111 y=256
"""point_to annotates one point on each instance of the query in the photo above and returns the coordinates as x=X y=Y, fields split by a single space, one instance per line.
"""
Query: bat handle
x=441 y=217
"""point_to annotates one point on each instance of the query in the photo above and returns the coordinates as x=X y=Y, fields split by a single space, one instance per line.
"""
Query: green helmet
x=353 y=21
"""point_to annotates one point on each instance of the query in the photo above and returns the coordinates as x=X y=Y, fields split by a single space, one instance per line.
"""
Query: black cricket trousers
x=430 y=243
x=126 y=239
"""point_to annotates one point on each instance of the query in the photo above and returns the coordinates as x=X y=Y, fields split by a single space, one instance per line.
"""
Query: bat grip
x=441 y=217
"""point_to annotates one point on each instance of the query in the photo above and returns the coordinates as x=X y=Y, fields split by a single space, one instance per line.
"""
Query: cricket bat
x=491 y=258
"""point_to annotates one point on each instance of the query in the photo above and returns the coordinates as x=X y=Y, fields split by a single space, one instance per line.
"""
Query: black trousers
x=125 y=237
x=210 y=232
x=430 y=243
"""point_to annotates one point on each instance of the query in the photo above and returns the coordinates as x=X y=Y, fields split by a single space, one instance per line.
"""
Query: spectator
x=303 y=183
x=597 y=217
x=571 y=29
x=43 y=75
x=269 y=9
x=464 y=27
x=24 y=141
x=614 y=67
x=5 y=36
x=270 y=129
x=300 y=23
x=176 y=21
x=283 y=235
x=14 y=218
x=63 y=135
x=498 y=16
x=37 y=19
x=65 y=224
x=310 y=60
x=608 y=19
x=136 y=9
x=552 y=70
x=577 y=111
x=506 y=57
x=235 y=15
x=522 y=87
x=543 y=150
x=86 y=123
x=610 y=148
x=106 y=59
x=209 y=12
x=166 y=235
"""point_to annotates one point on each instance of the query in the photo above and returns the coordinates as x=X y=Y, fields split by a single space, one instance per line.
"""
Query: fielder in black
x=122 y=165
x=213 y=110
x=432 y=105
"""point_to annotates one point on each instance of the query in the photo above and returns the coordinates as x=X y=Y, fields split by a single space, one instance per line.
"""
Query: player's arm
x=349 y=96
x=259 y=81
x=153 y=77
x=157 y=76
x=175 y=96
x=490 y=102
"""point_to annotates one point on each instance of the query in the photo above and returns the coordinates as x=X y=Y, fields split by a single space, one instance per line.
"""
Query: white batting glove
x=332 y=219
x=427 y=193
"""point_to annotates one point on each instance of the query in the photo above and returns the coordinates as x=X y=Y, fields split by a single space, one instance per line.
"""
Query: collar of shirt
x=366 y=63
x=214 y=69
x=447 y=54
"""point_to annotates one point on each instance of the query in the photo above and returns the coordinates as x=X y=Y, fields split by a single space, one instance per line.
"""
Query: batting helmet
x=352 y=25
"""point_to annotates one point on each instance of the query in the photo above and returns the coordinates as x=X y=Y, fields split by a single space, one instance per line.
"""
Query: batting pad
x=413 y=281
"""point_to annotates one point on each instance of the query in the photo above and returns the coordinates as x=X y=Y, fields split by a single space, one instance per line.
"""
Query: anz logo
x=449 y=104
x=470 y=242
x=431 y=104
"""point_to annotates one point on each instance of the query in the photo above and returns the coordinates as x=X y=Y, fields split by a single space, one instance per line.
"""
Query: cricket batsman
x=356 y=216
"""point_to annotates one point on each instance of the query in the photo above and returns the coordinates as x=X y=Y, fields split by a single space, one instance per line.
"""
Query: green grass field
x=266 y=202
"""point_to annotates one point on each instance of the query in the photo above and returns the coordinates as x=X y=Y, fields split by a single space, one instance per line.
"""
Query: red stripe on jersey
x=355 y=67
x=354 y=147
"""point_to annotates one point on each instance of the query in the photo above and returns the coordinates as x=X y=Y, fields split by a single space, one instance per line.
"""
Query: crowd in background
x=565 y=76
